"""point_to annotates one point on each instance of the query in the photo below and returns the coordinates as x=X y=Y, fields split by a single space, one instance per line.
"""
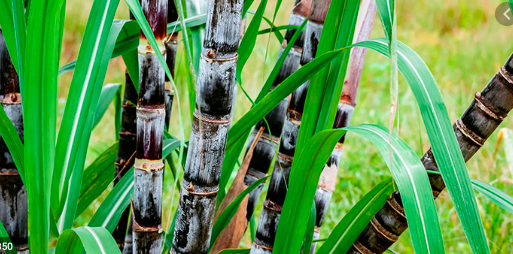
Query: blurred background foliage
x=460 y=41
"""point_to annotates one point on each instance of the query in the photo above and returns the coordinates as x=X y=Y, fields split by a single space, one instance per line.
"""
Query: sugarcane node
x=383 y=231
x=469 y=133
x=396 y=206
x=189 y=190
x=361 y=248
x=147 y=49
x=210 y=57
x=317 y=229
x=295 y=116
x=148 y=165
x=506 y=75
x=263 y=246
x=12 y=172
x=488 y=108
x=285 y=157
x=11 y=98
x=210 y=120
x=272 y=206
x=138 y=228
x=126 y=133
x=339 y=146
x=190 y=187
x=210 y=53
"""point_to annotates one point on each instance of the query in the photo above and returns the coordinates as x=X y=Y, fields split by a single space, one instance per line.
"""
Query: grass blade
x=44 y=31
x=349 y=228
x=96 y=48
x=92 y=239
x=408 y=172
x=495 y=195
x=442 y=138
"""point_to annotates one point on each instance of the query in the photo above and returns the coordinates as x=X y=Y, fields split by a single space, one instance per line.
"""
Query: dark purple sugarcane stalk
x=149 y=165
x=171 y=44
x=211 y=120
x=271 y=211
x=13 y=195
x=486 y=112
x=266 y=147
x=346 y=106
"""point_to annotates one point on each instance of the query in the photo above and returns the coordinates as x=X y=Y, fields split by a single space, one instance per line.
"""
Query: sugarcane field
x=256 y=126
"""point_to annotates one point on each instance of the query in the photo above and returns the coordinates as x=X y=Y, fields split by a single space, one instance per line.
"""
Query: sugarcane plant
x=50 y=159
x=266 y=146
x=345 y=109
x=149 y=165
x=211 y=121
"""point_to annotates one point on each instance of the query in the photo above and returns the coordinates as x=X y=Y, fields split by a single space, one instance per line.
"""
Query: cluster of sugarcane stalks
x=266 y=147
x=486 y=112
x=345 y=110
x=271 y=211
x=13 y=195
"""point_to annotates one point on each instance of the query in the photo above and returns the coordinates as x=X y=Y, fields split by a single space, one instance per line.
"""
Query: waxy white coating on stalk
x=211 y=121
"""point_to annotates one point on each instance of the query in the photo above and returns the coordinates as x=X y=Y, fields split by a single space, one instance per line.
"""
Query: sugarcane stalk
x=486 y=112
x=13 y=195
x=211 y=121
x=149 y=166
x=126 y=152
x=266 y=147
x=346 y=106
x=171 y=44
x=271 y=210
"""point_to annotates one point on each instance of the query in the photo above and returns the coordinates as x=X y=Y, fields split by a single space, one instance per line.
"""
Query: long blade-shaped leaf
x=91 y=70
x=93 y=239
x=354 y=222
x=20 y=36
x=441 y=136
x=408 y=172
x=44 y=31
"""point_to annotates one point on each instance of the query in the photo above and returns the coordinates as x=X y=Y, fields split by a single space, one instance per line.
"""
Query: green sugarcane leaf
x=107 y=95
x=97 y=177
x=8 y=29
x=260 y=109
x=195 y=21
x=6 y=240
x=323 y=91
x=249 y=40
x=230 y=211
x=95 y=52
x=235 y=251
x=20 y=36
x=495 y=195
x=132 y=67
x=44 y=30
x=9 y=135
x=127 y=41
x=95 y=240
x=354 y=222
x=252 y=227
x=275 y=29
x=386 y=13
x=246 y=6
x=108 y=214
x=491 y=192
x=309 y=233
x=408 y=172
x=441 y=136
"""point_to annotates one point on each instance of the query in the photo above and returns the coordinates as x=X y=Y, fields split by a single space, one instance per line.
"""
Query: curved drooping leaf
x=441 y=136
x=194 y=21
x=93 y=58
x=110 y=211
x=495 y=195
x=95 y=240
x=408 y=172
x=354 y=222
x=235 y=251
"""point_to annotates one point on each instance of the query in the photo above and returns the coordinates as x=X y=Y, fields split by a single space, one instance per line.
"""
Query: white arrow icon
x=505 y=14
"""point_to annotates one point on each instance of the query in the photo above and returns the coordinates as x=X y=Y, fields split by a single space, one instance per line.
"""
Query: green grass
x=460 y=41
